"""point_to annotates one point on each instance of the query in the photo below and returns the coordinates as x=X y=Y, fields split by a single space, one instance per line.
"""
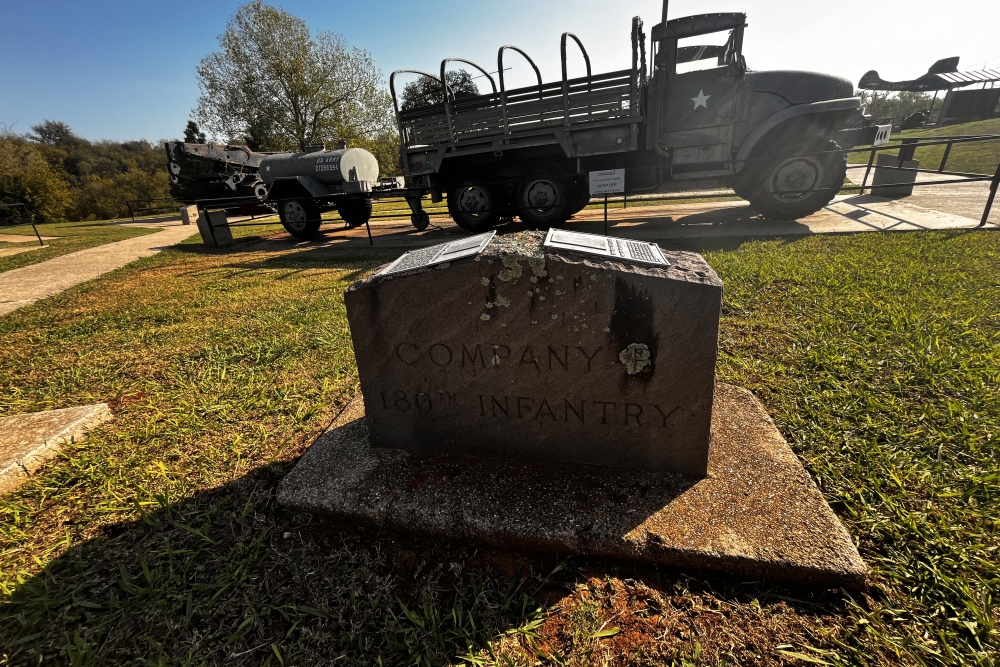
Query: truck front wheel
x=300 y=218
x=796 y=181
x=473 y=207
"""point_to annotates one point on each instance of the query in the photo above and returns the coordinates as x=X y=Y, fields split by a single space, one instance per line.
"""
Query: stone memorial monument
x=557 y=391
x=535 y=352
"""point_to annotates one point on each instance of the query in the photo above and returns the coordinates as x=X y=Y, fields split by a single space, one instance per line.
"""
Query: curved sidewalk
x=26 y=285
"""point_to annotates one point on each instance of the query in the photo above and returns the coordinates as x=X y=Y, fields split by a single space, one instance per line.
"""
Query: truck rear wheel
x=581 y=198
x=546 y=198
x=300 y=218
x=797 y=181
x=473 y=207
x=355 y=212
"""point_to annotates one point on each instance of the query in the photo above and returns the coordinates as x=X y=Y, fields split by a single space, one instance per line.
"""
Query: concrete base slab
x=757 y=513
x=28 y=441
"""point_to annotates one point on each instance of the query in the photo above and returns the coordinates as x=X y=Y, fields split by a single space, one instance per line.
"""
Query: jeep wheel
x=355 y=212
x=544 y=197
x=300 y=218
x=473 y=207
x=797 y=181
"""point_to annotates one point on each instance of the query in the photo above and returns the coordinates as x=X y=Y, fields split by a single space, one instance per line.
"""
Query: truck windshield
x=705 y=51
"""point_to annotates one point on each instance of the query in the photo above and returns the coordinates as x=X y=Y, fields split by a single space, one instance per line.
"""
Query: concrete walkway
x=23 y=286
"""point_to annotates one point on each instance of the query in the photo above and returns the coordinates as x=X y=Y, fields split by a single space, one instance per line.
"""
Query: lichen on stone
x=512 y=248
x=636 y=358
x=512 y=269
x=537 y=265
x=484 y=281
x=503 y=301
x=484 y=317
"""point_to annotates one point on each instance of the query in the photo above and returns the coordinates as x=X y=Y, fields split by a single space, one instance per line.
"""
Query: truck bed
x=525 y=116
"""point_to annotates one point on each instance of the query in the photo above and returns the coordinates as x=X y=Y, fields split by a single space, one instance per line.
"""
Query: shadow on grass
x=230 y=576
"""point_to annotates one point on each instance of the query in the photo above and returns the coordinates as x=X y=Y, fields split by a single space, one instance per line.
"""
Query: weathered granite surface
x=533 y=353
x=28 y=441
x=756 y=514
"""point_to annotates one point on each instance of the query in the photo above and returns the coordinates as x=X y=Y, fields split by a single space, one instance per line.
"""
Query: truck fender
x=297 y=186
x=771 y=122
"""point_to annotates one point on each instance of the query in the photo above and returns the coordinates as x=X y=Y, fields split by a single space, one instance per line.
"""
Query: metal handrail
x=565 y=79
x=450 y=94
x=445 y=88
x=637 y=33
x=503 y=89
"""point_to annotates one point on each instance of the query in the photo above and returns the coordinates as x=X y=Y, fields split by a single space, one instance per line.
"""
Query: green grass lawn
x=73 y=236
x=979 y=157
x=159 y=541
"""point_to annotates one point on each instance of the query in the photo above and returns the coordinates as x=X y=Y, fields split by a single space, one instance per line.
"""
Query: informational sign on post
x=604 y=183
x=607 y=182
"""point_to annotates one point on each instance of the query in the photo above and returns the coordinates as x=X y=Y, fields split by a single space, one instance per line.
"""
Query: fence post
x=871 y=158
x=944 y=158
x=32 y=219
x=993 y=193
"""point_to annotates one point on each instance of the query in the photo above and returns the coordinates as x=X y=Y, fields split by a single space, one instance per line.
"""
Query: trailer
x=300 y=186
x=527 y=152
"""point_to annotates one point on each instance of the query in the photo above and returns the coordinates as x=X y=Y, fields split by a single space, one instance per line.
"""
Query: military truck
x=696 y=112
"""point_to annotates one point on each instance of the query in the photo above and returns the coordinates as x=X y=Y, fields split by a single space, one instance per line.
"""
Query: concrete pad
x=847 y=214
x=958 y=196
x=756 y=514
x=28 y=441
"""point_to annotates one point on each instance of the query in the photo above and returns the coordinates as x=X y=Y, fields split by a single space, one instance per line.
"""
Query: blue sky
x=126 y=70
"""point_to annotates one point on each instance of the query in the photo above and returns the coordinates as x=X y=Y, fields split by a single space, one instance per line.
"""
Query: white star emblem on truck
x=701 y=100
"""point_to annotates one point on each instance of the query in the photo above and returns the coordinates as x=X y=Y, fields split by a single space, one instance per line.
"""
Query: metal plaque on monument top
x=560 y=347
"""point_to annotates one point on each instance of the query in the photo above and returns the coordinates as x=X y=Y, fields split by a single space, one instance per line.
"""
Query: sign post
x=607 y=182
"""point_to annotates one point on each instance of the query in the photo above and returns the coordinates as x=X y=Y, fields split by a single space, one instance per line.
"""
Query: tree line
x=61 y=176
x=273 y=85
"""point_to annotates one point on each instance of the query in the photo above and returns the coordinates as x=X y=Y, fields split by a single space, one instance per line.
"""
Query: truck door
x=701 y=101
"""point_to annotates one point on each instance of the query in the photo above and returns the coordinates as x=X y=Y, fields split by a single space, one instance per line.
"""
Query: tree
x=276 y=86
x=426 y=91
x=192 y=135
x=26 y=176
x=52 y=133
x=886 y=106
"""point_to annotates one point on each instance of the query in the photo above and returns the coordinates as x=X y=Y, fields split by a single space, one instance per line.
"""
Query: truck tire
x=300 y=218
x=581 y=197
x=473 y=207
x=546 y=197
x=355 y=211
x=797 y=166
